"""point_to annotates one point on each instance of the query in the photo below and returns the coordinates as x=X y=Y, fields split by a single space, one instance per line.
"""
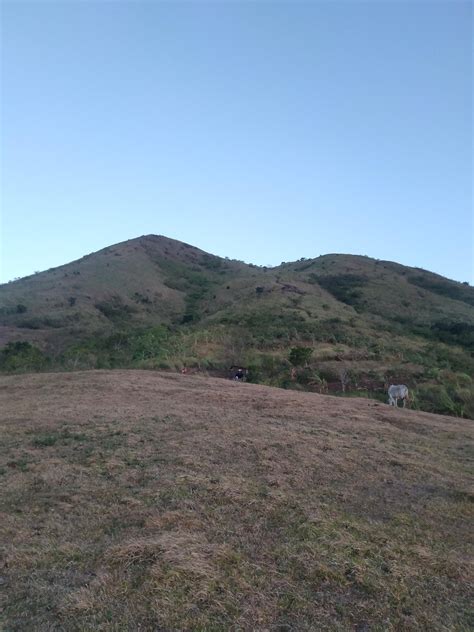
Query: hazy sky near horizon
x=261 y=131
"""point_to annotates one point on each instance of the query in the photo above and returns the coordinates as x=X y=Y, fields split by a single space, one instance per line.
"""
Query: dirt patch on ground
x=135 y=500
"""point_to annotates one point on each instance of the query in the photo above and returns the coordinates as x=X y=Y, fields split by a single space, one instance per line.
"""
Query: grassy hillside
x=154 y=302
x=138 y=500
x=139 y=282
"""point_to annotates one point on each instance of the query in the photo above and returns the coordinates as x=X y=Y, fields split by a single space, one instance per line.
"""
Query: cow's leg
x=404 y=402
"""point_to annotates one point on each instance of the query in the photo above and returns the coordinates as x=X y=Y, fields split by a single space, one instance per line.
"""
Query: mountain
x=143 y=281
x=156 y=302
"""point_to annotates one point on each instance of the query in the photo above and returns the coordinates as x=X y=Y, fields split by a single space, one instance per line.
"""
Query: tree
x=344 y=378
x=299 y=356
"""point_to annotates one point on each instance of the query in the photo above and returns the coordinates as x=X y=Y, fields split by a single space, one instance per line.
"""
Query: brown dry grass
x=135 y=500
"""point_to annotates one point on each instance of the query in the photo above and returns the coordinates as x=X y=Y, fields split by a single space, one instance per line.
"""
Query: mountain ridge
x=171 y=240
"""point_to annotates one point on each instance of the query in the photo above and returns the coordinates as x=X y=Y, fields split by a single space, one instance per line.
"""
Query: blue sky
x=260 y=131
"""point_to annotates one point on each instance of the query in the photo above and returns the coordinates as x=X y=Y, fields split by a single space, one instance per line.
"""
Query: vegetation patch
x=443 y=287
x=115 y=310
x=346 y=288
x=22 y=356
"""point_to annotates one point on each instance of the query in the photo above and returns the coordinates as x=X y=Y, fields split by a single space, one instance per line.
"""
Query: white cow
x=396 y=392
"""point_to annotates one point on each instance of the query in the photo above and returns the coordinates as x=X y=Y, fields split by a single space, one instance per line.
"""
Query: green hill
x=154 y=302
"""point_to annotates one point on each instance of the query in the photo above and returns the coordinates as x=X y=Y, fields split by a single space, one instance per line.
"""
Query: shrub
x=299 y=356
x=434 y=398
x=149 y=344
x=115 y=310
x=211 y=262
x=452 y=394
x=22 y=356
x=454 y=333
x=306 y=376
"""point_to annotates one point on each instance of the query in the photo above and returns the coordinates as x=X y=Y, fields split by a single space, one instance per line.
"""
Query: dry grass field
x=137 y=500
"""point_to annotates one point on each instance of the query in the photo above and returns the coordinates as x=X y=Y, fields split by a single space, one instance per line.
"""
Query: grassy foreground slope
x=134 y=500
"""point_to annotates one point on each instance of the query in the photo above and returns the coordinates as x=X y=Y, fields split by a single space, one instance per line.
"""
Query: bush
x=454 y=333
x=122 y=349
x=434 y=398
x=299 y=356
x=306 y=376
x=452 y=394
x=22 y=356
x=268 y=369
x=211 y=262
x=115 y=310
x=149 y=344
